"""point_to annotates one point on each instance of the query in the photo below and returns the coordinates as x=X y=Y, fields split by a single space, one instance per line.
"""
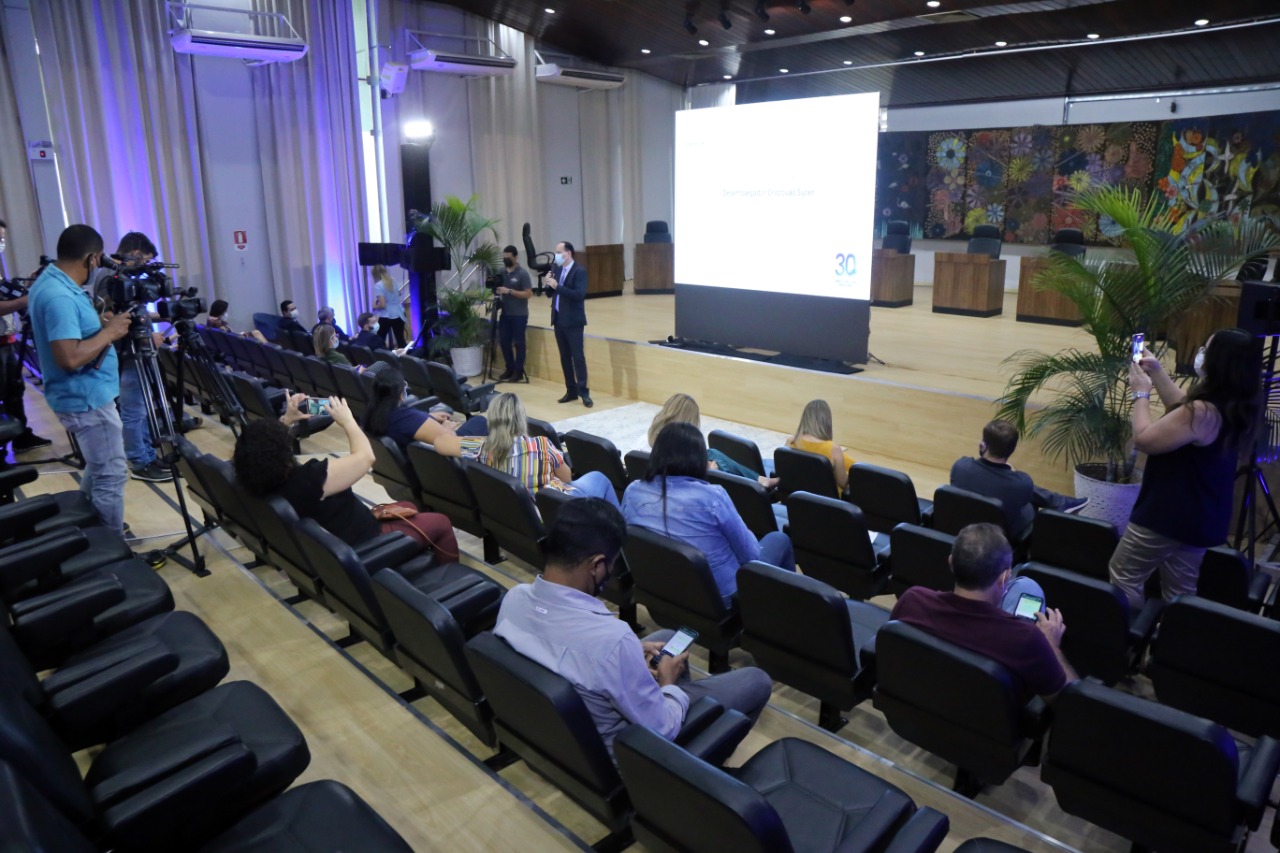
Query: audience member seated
x=675 y=499
x=533 y=460
x=368 y=336
x=388 y=416
x=559 y=622
x=814 y=434
x=978 y=615
x=683 y=409
x=990 y=474
x=289 y=317
x=218 y=320
x=321 y=488
x=325 y=340
x=325 y=317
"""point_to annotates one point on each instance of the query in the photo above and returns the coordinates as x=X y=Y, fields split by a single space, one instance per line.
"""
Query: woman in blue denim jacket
x=675 y=499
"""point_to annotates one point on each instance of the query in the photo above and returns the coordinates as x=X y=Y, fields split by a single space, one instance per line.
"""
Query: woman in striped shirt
x=533 y=460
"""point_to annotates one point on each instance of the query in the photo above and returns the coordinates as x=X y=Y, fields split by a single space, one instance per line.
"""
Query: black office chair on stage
x=657 y=231
x=986 y=240
x=1068 y=241
x=897 y=237
x=541 y=263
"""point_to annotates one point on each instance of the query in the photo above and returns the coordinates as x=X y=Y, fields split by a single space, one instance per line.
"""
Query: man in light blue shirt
x=81 y=378
x=558 y=622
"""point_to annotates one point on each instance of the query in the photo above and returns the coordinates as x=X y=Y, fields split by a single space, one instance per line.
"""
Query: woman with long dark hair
x=387 y=414
x=1184 y=506
x=675 y=499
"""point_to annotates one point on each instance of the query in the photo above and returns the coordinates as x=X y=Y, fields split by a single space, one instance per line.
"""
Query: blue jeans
x=475 y=425
x=98 y=433
x=1014 y=591
x=746 y=689
x=511 y=333
x=776 y=550
x=594 y=484
x=133 y=416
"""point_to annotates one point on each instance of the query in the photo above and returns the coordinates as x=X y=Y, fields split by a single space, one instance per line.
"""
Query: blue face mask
x=560 y=259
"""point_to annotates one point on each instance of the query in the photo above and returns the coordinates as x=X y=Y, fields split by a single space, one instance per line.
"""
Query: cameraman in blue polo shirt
x=81 y=377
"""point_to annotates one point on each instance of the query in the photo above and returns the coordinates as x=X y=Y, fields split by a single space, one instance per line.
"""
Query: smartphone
x=1138 y=345
x=677 y=645
x=1028 y=606
x=316 y=405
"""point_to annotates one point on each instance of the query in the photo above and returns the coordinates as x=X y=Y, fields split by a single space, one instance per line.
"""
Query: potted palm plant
x=461 y=328
x=1084 y=418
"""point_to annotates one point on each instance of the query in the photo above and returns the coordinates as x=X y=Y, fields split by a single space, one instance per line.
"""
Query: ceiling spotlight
x=645 y=50
x=1001 y=43
x=770 y=32
x=689 y=26
x=703 y=42
x=919 y=53
x=549 y=10
x=723 y=18
x=784 y=70
x=845 y=19
x=933 y=4
x=1093 y=36
x=1202 y=22
x=803 y=6
x=762 y=11
x=848 y=62
x=728 y=76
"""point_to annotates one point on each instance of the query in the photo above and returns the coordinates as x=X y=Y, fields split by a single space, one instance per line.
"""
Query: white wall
x=657 y=151
x=561 y=158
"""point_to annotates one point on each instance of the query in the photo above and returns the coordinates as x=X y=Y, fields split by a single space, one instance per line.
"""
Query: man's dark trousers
x=573 y=360
x=511 y=337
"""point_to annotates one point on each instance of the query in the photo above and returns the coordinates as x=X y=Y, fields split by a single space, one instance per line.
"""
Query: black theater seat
x=1074 y=542
x=53 y=559
x=833 y=544
x=592 y=453
x=921 y=557
x=886 y=497
x=507 y=512
x=744 y=451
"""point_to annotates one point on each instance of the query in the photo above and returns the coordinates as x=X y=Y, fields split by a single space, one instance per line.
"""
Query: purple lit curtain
x=308 y=125
x=17 y=195
x=121 y=110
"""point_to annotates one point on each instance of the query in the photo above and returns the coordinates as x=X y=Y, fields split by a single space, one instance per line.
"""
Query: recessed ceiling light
x=770 y=32
x=1093 y=36
x=549 y=10
x=1202 y=22
x=645 y=50
x=933 y=4
x=703 y=42
x=848 y=62
x=1001 y=43
x=919 y=53
x=728 y=76
x=845 y=19
x=784 y=70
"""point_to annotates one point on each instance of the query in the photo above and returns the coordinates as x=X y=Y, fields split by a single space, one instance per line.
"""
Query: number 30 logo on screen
x=846 y=267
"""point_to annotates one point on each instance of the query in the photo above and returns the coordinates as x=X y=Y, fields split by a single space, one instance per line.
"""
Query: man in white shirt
x=558 y=622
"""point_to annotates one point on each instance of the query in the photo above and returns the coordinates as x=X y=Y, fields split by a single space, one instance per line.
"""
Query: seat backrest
x=447 y=387
x=829 y=528
x=656 y=231
x=444 y=486
x=920 y=558
x=220 y=477
x=1073 y=542
x=302 y=381
x=1068 y=241
x=252 y=396
x=344 y=574
x=636 y=463
x=774 y=601
x=392 y=470
x=750 y=500
x=886 y=497
x=321 y=374
x=546 y=430
x=350 y=387
x=539 y=714
x=280 y=371
x=673 y=572
x=802 y=471
x=28 y=821
x=362 y=356
x=1122 y=745
x=986 y=241
x=954 y=509
x=415 y=374
x=186 y=453
x=303 y=342
x=1225 y=576
x=279 y=520
x=268 y=324
x=39 y=756
x=683 y=803
x=744 y=451
x=898 y=237
x=593 y=453
x=1097 y=616
x=1208 y=659
x=507 y=511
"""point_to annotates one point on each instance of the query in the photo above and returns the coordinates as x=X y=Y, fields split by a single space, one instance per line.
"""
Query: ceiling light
x=728 y=76
x=1093 y=36
x=1202 y=22
x=933 y=4
x=784 y=70
x=703 y=42
x=689 y=26
x=645 y=50
x=919 y=53
x=418 y=129
x=803 y=6
x=848 y=62
x=1001 y=43
x=770 y=32
x=845 y=19
x=761 y=11
x=549 y=10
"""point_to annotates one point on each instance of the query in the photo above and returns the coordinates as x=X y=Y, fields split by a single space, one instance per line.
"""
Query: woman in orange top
x=814 y=435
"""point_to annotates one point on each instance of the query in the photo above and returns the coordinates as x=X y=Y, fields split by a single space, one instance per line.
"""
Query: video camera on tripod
x=132 y=287
x=16 y=288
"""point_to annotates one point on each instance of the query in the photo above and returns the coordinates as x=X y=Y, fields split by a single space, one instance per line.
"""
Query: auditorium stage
x=917 y=412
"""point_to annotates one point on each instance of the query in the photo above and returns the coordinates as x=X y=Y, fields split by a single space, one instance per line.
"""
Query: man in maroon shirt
x=972 y=618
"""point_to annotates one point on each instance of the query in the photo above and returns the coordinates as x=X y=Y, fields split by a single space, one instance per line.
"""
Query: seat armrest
x=1258 y=590
x=197 y=743
x=143 y=820
x=1144 y=624
x=468 y=604
x=390 y=550
x=1270 y=608
x=69 y=676
x=423 y=403
x=40 y=558
x=867 y=656
x=701 y=714
x=1034 y=717
x=478 y=392
x=15 y=478
x=19 y=518
x=923 y=833
x=718 y=741
x=101 y=695
x=48 y=620
x=1259 y=776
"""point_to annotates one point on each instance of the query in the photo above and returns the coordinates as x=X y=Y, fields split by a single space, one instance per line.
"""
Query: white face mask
x=560 y=259
x=1198 y=364
x=294 y=313
x=3 y=244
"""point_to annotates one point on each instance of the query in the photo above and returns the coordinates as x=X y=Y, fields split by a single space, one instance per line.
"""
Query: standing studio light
x=419 y=130
x=761 y=12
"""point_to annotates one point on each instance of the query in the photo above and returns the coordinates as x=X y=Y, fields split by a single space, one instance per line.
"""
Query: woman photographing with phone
x=1185 y=504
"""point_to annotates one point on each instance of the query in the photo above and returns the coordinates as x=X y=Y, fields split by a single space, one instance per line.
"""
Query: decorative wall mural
x=1220 y=165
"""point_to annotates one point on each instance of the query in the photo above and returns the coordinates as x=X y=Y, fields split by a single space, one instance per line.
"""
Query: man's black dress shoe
x=567 y=398
x=586 y=401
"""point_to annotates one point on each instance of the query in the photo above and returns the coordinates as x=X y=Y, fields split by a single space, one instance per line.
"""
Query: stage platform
x=918 y=412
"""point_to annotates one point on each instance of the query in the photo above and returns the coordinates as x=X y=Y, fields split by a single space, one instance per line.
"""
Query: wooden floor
x=422 y=770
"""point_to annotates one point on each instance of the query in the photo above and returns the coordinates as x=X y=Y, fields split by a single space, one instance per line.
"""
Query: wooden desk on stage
x=1042 y=306
x=655 y=268
x=972 y=285
x=893 y=278
x=605 y=270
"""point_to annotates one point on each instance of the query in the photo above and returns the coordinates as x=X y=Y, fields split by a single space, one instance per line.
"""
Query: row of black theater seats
x=185 y=762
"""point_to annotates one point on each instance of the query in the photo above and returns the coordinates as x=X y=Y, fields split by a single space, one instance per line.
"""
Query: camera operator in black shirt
x=13 y=299
x=515 y=291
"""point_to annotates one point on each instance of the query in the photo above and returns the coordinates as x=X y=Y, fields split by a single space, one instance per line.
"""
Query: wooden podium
x=605 y=269
x=655 y=268
x=893 y=278
x=1042 y=306
x=972 y=285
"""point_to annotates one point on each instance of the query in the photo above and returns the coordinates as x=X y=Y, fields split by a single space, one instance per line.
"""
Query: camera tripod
x=164 y=429
x=1255 y=482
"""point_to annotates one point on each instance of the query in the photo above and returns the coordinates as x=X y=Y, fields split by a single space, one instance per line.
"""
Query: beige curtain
x=17 y=195
x=121 y=110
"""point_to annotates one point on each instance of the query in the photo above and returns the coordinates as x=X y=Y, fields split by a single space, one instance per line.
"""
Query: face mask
x=294 y=314
x=560 y=259
x=508 y=262
x=3 y=244
x=1198 y=364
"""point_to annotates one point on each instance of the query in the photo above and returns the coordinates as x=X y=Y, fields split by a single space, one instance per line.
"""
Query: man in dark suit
x=568 y=318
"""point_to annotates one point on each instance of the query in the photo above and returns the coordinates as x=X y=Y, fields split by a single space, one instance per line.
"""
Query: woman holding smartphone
x=1185 y=504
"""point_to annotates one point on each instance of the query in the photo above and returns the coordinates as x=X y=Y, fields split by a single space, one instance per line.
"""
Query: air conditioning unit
x=393 y=77
x=470 y=64
x=579 y=78
x=238 y=46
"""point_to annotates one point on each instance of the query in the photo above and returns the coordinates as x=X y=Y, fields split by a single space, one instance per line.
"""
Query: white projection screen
x=773 y=225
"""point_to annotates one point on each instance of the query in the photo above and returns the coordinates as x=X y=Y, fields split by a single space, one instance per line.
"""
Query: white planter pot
x=467 y=361
x=1111 y=502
